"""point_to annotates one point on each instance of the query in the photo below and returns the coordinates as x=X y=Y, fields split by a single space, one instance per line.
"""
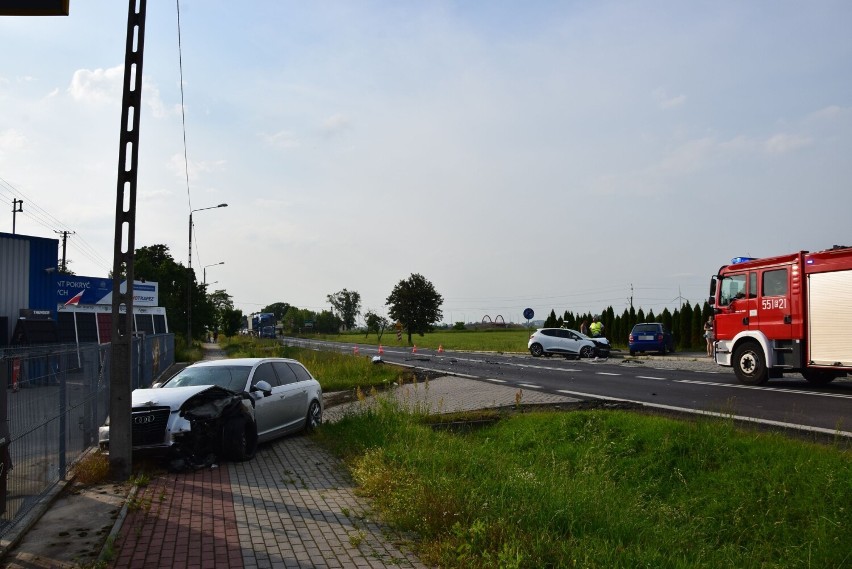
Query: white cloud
x=194 y=168
x=11 y=139
x=282 y=139
x=105 y=87
x=665 y=101
x=335 y=124
x=830 y=113
x=784 y=143
x=97 y=86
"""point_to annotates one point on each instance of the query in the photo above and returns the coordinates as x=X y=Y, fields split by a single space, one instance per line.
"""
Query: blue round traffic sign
x=528 y=313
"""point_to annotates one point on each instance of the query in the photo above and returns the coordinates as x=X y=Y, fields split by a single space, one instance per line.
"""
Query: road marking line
x=495 y=380
x=835 y=432
x=605 y=373
x=649 y=377
x=764 y=388
x=530 y=385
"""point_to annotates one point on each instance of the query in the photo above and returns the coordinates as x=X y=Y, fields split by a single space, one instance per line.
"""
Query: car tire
x=586 y=352
x=632 y=352
x=664 y=350
x=239 y=439
x=536 y=350
x=314 y=418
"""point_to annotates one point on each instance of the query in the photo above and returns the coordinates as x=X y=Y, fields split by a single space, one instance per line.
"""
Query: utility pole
x=64 y=234
x=17 y=207
x=121 y=365
x=631 y=296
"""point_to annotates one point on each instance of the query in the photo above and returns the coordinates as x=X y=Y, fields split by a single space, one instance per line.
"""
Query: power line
x=9 y=195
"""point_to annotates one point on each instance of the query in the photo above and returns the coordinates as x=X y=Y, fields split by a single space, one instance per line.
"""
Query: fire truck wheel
x=749 y=364
x=818 y=377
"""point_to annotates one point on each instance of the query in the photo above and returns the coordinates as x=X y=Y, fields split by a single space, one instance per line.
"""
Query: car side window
x=285 y=373
x=550 y=333
x=264 y=372
x=301 y=373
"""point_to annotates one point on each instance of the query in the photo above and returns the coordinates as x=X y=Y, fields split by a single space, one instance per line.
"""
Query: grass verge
x=335 y=371
x=600 y=489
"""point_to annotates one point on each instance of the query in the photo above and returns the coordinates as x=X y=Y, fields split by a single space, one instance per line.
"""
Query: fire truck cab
x=786 y=314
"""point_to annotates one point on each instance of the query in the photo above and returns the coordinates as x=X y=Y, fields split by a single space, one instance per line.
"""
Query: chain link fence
x=56 y=397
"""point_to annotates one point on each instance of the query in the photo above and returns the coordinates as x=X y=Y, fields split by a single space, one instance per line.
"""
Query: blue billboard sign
x=74 y=290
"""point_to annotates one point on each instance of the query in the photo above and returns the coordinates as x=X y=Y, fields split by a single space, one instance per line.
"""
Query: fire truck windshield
x=731 y=288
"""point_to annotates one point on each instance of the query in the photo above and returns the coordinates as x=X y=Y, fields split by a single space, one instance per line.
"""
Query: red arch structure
x=498 y=320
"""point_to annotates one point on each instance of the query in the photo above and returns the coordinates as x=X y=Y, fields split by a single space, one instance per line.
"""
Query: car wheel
x=632 y=352
x=663 y=350
x=239 y=439
x=536 y=350
x=586 y=352
x=314 y=418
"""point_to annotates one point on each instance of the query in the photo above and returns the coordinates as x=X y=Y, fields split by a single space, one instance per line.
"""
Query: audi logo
x=143 y=419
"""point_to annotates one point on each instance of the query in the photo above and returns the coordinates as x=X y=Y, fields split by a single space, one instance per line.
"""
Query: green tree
x=155 y=263
x=279 y=309
x=697 y=327
x=346 y=305
x=550 y=321
x=608 y=319
x=221 y=301
x=685 y=325
x=231 y=321
x=666 y=319
x=376 y=323
x=327 y=323
x=416 y=304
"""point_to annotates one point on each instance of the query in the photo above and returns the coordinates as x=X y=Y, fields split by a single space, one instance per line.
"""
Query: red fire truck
x=788 y=314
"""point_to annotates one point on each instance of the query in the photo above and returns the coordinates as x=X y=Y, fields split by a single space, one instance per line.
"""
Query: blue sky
x=549 y=155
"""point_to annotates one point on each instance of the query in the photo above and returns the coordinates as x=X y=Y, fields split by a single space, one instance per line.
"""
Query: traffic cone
x=355 y=350
x=440 y=348
x=414 y=349
x=381 y=349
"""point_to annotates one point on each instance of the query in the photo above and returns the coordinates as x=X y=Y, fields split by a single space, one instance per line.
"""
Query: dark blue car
x=650 y=337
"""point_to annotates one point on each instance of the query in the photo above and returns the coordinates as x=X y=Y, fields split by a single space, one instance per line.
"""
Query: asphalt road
x=697 y=387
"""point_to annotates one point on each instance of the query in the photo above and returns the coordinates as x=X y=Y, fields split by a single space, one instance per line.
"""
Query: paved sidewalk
x=293 y=505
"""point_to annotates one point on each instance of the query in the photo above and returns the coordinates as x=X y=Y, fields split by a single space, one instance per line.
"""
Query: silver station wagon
x=223 y=408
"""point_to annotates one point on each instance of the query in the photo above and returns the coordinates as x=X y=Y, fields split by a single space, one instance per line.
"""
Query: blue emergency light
x=737 y=260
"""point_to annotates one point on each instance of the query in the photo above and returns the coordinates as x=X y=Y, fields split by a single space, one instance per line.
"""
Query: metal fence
x=56 y=398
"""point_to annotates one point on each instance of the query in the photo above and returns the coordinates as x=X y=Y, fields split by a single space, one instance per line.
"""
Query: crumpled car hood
x=172 y=397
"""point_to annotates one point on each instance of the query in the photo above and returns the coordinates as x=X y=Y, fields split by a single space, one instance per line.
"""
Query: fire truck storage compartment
x=830 y=322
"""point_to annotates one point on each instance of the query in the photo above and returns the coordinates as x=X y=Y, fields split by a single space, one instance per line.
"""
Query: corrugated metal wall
x=27 y=275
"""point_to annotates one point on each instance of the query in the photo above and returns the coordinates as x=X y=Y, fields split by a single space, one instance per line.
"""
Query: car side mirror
x=262 y=386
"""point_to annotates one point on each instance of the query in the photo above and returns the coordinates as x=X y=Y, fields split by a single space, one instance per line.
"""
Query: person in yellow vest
x=596 y=328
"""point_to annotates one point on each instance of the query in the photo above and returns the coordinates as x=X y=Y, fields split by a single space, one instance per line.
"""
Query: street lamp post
x=189 y=276
x=211 y=265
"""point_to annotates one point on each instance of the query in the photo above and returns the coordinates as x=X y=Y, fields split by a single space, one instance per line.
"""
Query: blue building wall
x=27 y=275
